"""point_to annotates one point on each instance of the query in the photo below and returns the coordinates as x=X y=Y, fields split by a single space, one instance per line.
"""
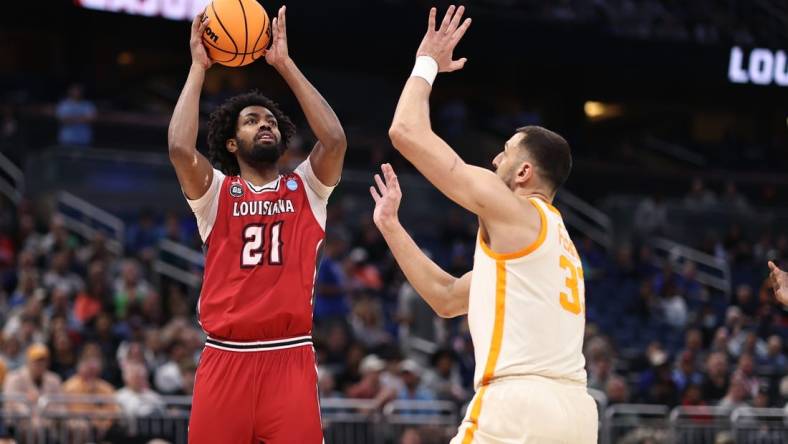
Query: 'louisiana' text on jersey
x=262 y=207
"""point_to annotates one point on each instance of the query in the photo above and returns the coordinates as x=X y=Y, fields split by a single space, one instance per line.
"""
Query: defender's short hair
x=550 y=152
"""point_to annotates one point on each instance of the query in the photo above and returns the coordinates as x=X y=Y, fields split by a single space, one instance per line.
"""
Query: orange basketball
x=238 y=33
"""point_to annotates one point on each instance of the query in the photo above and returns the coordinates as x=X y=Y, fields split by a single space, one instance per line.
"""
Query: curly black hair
x=223 y=122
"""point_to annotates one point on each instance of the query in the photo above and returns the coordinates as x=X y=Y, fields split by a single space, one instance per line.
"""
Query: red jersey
x=262 y=251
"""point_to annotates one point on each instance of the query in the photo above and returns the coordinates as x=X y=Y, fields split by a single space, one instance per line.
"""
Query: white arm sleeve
x=316 y=191
x=206 y=207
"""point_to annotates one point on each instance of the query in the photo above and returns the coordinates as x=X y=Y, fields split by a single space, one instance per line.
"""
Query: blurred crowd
x=700 y=21
x=78 y=318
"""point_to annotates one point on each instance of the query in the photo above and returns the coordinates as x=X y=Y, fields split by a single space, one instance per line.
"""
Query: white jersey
x=526 y=309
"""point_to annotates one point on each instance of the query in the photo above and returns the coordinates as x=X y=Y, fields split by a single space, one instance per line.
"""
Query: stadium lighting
x=599 y=110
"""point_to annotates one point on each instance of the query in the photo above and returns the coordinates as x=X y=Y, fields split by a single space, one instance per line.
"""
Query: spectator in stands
x=418 y=324
x=26 y=322
x=745 y=373
x=371 y=386
x=326 y=383
x=699 y=197
x=651 y=216
x=136 y=398
x=172 y=228
x=616 y=390
x=693 y=344
x=413 y=389
x=28 y=283
x=443 y=377
x=60 y=275
x=188 y=372
x=31 y=382
x=64 y=356
x=673 y=306
x=94 y=299
x=737 y=394
x=58 y=238
x=96 y=251
x=76 y=116
x=13 y=355
x=361 y=274
x=692 y=396
x=349 y=373
x=732 y=198
x=330 y=288
x=715 y=382
x=410 y=436
x=130 y=289
x=656 y=384
x=685 y=372
x=746 y=301
x=168 y=378
x=600 y=370
x=60 y=307
x=367 y=322
x=775 y=357
x=143 y=237
x=87 y=382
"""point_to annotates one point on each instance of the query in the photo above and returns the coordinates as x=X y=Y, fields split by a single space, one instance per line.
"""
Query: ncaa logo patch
x=292 y=185
x=236 y=190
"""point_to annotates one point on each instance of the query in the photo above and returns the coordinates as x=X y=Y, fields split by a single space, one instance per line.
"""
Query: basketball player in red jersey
x=257 y=380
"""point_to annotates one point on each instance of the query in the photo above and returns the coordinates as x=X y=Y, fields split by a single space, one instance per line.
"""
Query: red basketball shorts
x=254 y=392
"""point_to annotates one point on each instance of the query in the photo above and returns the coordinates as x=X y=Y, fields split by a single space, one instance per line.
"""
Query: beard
x=507 y=177
x=260 y=154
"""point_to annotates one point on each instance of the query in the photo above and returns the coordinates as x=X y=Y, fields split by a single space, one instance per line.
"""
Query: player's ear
x=231 y=145
x=525 y=172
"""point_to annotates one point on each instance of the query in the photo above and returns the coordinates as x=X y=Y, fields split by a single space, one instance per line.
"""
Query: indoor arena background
x=677 y=114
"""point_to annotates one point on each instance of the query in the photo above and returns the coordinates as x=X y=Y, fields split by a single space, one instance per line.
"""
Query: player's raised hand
x=779 y=281
x=387 y=197
x=199 y=54
x=440 y=43
x=278 y=53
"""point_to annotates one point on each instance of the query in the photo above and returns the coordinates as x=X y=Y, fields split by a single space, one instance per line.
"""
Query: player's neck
x=259 y=175
x=539 y=194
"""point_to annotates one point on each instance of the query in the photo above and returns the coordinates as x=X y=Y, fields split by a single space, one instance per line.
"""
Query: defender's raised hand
x=779 y=281
x=388 y=198
x=278 y=53
x=199 y=54
x=440 y=43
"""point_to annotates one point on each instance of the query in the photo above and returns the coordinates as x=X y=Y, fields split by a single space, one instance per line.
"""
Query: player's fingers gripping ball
x=238 y=33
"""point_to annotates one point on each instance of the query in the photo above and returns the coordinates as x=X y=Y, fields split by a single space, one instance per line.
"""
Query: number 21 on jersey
x=571 y=301
x=253 y=252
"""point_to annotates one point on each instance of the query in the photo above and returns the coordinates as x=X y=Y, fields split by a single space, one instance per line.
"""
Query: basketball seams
x=229 y=36
x=256 y=17
x=262 y=30
x=231 y=52
x=246 y=32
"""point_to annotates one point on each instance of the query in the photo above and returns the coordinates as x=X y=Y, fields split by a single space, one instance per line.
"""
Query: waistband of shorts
x=538 y=378
x=256 y=346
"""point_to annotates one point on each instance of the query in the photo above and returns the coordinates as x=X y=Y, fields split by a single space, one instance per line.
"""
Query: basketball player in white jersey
x=525 y=295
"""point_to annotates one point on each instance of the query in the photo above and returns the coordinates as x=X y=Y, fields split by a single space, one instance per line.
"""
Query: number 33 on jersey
x=262 y=246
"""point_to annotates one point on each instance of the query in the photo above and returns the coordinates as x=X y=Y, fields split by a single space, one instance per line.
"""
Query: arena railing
x=86 y=220
x=179 y=262
x=434 y=421
x=16 y=418
x=347 y=421
x=760 y=425
x=711 y=271
x=699 y=424
x=585 y=218
x=80 y=418
x=635 y=422
x=12 y=180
